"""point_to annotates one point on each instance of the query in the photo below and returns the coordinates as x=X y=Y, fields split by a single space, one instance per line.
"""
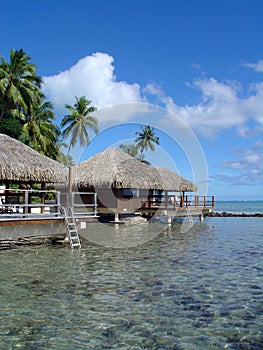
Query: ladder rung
x=71 y=228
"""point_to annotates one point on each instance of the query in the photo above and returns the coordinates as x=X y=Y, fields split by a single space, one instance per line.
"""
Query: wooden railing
x=18 y=201
x=174 y=202
x=84 y=203
x=32 y=203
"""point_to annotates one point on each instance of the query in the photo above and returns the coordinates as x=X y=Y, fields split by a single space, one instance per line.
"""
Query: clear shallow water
x=197 y=290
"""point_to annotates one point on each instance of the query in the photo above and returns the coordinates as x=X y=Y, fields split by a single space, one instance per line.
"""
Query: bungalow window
x=157 y=196
x=131 y=192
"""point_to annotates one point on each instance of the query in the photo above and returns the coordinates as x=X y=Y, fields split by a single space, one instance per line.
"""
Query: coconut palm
x=19 y=83
x=60 y=155
x=132 y=150
x=39 y=131
x=146 y=139
x=78 y=122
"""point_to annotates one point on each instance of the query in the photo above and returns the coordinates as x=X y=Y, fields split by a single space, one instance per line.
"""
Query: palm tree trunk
x=67 y=158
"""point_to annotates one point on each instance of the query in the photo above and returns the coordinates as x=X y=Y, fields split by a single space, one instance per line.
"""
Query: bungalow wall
x=106 y=197
x=118 y=199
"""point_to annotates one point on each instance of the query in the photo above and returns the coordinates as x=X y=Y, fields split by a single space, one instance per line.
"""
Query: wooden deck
x=38 y=207
x=29 y=207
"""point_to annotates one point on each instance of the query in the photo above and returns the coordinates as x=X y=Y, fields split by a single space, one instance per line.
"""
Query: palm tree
x=60 y=155
x=39 y=131
x=146 y=138
x=132 y=150
x=19 y=83
x=78 y=122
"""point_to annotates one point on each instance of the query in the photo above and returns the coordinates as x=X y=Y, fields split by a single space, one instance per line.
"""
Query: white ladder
x=71 y=228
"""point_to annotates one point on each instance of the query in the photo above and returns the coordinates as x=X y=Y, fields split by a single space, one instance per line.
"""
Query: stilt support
x=116 y=217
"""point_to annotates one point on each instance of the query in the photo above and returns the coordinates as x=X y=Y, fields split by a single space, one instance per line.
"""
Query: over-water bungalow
x=125 y=185
x=30 y=192
x=39 y=196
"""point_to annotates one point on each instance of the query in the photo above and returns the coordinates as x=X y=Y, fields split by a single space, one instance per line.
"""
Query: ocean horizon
x=239 y=206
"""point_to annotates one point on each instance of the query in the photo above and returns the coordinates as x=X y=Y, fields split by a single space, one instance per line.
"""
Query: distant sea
x=239 y=206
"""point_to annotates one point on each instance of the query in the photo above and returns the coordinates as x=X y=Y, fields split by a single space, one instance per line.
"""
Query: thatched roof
x=115 y=168
x=20 y=163
x=172 y=181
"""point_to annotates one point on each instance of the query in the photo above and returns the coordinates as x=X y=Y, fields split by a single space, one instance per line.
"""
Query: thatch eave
x=114 y=168
x=172 y=181
x=20 y=163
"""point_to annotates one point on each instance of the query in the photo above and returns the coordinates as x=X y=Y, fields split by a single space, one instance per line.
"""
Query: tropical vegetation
x=19 y=84
x=78 y=121
x=146 y=139
x=132 y=150
x=26 y=115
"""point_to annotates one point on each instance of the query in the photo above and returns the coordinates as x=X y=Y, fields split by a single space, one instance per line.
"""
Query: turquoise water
x=197 y=290
x=239 y=206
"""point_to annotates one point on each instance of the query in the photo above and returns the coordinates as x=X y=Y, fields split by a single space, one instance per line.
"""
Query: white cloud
x=252 y=105
x=220 y=107
x=218 y=110
x=248 y=169
x=252 y=158
x=258 y=67
x=93 y=77
x=233 y=165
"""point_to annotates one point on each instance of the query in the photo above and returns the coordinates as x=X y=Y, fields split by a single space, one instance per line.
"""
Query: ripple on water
x=198 y=290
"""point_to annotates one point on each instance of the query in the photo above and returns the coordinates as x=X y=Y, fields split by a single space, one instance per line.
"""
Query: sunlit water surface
x=197 y=290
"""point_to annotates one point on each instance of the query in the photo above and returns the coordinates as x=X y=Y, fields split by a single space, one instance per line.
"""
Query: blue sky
x=192 y=69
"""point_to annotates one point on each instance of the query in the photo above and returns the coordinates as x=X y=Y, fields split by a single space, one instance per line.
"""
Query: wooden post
x=204 y=201
x=26 y=201
x=6 y=193
x=70 y=186
x=182 y=201
x=58 y=201
x=42 y=198
x=166 y=199
x=213 y=201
